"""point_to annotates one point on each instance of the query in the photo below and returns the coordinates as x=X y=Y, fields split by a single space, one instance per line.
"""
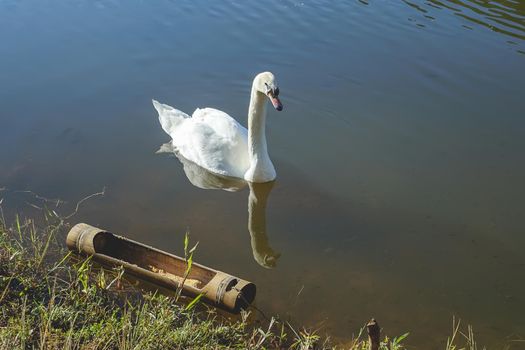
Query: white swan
x=217 y=142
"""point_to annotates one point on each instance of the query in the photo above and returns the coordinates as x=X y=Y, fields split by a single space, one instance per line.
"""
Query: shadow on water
x=199 y=177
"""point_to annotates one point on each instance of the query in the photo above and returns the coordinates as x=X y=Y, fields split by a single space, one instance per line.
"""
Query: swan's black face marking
x=271 y=90
x=268 y=89
x=273 y=93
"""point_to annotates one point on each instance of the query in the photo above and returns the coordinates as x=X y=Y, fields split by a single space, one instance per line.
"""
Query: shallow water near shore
x=399 y=151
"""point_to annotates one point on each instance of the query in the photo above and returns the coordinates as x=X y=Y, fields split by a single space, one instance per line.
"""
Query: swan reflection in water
x=257 y=199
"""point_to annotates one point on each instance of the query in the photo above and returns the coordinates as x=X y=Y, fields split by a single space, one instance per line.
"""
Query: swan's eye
x=271 y=91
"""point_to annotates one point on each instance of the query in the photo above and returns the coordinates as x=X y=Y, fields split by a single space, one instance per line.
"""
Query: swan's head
x=266 y=84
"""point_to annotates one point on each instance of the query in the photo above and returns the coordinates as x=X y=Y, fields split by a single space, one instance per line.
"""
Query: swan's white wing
x=215 y=141
x=169 y=117
x=222 y=123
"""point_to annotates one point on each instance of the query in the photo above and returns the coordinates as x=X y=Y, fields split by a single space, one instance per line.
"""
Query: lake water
x=399 y=153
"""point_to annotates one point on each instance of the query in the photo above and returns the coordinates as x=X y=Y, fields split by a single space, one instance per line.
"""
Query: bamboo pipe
x=161 y=268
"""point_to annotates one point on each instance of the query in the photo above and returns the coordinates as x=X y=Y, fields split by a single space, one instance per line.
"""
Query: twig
x=297 y=296
x=2 y=217
x=265 y=335
x=455 y=329
x=37 y=196
x=33 y=205
x=103 y=192
x=373 y=331
x=6 y=288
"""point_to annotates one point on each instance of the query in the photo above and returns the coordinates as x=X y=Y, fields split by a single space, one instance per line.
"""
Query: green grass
x=51 y=300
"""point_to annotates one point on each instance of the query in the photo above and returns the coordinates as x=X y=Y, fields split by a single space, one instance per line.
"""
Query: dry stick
x=37 y=196
x=373 y=331
x=102 y=193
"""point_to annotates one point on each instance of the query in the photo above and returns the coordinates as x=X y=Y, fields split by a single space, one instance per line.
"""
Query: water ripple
x=500 y=16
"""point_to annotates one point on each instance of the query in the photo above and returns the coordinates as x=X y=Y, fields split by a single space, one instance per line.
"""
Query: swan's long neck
x=257 y=148
x=261 y=168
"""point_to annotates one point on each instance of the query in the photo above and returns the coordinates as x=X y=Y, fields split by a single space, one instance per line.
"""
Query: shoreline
x=50 y=298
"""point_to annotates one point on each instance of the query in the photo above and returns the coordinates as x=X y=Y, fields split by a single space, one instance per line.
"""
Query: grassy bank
x=51 y=300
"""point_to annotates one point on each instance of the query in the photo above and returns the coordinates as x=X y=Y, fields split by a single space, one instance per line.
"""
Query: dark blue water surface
x=400 y=151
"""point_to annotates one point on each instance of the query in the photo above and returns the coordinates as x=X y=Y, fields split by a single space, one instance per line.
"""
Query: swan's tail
x=169 y=117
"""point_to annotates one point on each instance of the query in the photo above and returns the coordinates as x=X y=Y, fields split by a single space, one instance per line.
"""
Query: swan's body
x=210 y=138
x=217 y=142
